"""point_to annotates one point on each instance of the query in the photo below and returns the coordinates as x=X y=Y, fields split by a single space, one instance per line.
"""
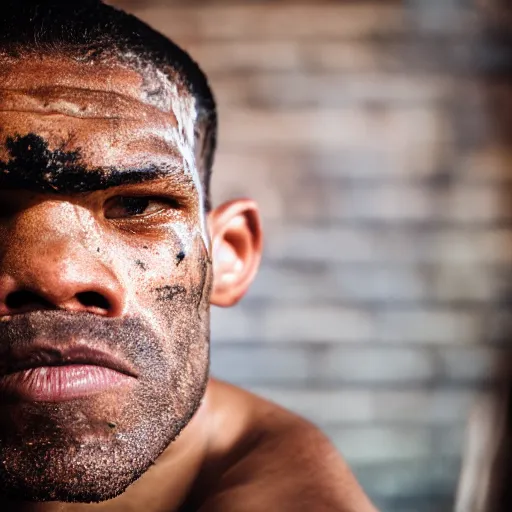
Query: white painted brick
x=449 y=441
x=373 y=365
x=467 y=281
x=420 y=502
x=264 y=21
x=491 y=245
x=337 y=244
x=346 y=283
x=380 y=163
x=323 y=406
x=472 y=363
x=352 y=55
x=230 y=324
x=337 y=406
x=373 y=444
x=422 y=282
x=488 y=203
x=247 y=364
x=302 y=284
x=489 y=163
x=388 y=202
x=373 y=283
x=308 y=365
x=501 y=283
x=389 y=244
x=350 y=127
x=435 y=326
x=406 y=56
x=299 y=89
x=380 y=283
x=284 y=190
x=441 y=406
x=240 y=170
x=295 y=194
x=498 y=326
x=218 y=57
x=305 y=324
x=302 y=365
x=317 y=324
x=248 y=176
x=439 y=17
x=416 y=480
x=370 y=283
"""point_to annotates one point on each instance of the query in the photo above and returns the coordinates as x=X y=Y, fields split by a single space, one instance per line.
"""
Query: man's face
x=103 y=263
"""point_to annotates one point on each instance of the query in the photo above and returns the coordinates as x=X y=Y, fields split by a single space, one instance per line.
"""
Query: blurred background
x=376 y=138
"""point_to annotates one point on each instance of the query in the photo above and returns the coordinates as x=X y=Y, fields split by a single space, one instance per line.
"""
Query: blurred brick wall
x=363 y=130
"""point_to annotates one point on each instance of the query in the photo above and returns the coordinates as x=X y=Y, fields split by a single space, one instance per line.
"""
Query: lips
x=44 y=374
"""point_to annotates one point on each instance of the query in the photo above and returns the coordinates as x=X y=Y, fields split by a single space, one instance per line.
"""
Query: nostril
x=22 y=299
x=93 y=300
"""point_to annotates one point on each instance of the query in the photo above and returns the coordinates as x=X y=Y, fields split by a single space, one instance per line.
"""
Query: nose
x=51 y=268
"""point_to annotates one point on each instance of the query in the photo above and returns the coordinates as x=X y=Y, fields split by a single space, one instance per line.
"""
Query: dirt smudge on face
x=180 y=257
x=141 y=264
x=168 y=293
x=33 y=166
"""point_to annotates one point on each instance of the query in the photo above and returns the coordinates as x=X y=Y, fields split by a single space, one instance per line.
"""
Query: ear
x=235 y=230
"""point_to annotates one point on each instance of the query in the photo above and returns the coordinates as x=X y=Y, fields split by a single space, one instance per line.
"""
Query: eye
x=123 y=207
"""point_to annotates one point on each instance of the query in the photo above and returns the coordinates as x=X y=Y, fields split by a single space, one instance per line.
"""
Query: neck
x=163 y=488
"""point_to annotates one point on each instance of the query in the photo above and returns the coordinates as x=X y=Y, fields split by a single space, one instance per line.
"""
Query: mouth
x=44 y=374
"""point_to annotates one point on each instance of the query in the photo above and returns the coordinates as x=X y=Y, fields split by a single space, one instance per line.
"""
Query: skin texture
x=104 y=241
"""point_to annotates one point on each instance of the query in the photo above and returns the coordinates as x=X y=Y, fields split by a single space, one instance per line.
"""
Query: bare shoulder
x=279 y=459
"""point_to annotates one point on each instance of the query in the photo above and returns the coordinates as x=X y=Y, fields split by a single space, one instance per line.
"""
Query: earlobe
x=236 y=234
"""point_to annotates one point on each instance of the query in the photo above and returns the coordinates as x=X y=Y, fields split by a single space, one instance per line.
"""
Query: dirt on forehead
x=108 y=109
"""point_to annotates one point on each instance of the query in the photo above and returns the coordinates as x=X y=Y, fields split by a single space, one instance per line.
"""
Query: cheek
x=155 y=261
x=179 y=301
x=171 y=273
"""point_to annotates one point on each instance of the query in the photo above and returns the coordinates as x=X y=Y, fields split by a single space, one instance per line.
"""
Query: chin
x=62 y=492
x=73 y=467
x=42 y=466
x=85 y=478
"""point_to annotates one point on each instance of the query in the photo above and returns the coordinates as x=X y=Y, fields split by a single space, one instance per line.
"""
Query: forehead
x=32 y=71
x=113 y=114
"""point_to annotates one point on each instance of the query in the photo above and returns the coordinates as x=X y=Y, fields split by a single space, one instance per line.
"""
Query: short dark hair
x=92 y=30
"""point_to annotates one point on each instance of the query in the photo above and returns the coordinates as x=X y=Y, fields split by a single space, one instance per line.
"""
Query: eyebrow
x=34 y=167
x=77 y=179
